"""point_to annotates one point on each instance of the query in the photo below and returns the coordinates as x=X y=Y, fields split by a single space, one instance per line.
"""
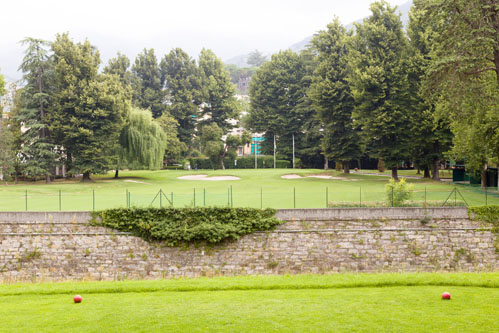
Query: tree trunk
x=346 y=167
x=86 y=177
x=395 y=173
x=381 y=165
x=484 y=176
x=116 y=173
x=69 y=161
x=426 y=172
x=47 y=179
x=223 y=165
x=418 y=172
x=436 y=160
x=326 y=164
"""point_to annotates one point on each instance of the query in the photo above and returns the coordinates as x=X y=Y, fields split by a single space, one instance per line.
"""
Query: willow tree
x=142 y=142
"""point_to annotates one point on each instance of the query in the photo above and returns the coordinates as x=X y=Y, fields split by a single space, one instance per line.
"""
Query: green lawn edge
x=272 y=282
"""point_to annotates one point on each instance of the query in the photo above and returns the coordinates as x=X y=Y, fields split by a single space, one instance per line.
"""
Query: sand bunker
x=135 y=181
x=205 y=177
x=293 y=176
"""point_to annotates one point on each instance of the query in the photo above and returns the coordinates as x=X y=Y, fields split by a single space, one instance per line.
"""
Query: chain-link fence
x=275 y=197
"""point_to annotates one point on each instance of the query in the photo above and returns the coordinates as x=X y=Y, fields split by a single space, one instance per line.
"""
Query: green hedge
x=246 y=162
x=186 y=225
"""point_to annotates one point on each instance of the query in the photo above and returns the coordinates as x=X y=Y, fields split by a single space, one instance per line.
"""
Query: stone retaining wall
x=61 y=246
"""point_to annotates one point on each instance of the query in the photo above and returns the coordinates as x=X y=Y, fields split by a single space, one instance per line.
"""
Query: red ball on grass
x=446 y=295
x=77 y=299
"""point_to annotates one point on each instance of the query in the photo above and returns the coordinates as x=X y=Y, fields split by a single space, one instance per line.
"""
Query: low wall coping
x=283 y=214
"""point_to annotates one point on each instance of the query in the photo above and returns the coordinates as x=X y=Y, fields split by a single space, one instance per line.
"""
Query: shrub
x=185 y=225
x=397 y=193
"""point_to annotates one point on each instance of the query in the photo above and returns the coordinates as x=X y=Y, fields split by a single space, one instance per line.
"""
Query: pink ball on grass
x=446 y=295
x=77 y=299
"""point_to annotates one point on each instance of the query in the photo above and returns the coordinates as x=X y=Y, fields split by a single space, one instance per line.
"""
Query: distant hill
x=240 y=60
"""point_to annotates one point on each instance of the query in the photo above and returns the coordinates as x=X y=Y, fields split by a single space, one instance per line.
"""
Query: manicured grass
x=255 y=188
x=341 y=302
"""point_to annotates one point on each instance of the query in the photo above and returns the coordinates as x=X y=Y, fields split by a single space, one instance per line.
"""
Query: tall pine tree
x=37 y=149
x=332 y=96
x=380 y=85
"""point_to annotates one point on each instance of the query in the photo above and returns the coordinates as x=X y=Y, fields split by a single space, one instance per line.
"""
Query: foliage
x=183 y=88
x=397 y=193
x=431 y=137
x=38 y=153
x=2 y=87
x=219 y=104
x=120 y=65
x=237 y=73
x=380 y=85
x=256 y=59
x=147 y=84
x=277 y=94
x=88 y=109
x=142 y=141
x=7 y=152
x=174 y=147
x=489 y=214
x=186 y=225
x=463 y=77
x=332 y=96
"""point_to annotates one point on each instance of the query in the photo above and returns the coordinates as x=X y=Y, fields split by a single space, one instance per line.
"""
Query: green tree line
x=416 y=95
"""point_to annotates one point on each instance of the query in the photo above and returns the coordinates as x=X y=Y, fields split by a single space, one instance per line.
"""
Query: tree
x=380 y=85
x=88 y=109
x=120 y=65
x=2 y=86
x=174 y=147
x=463 y=77
x=7 y=153
x=277 y=93
x=182 y=82
x=256 y=58
x=142 y=142
x=147 y=86
x=37 y=149
x=332 y=96
x=219 y=104
x=211 y=141
x=431 y=136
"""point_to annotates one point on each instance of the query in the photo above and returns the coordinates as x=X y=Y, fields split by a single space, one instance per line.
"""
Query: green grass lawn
x=255 y=188
x=317 y=303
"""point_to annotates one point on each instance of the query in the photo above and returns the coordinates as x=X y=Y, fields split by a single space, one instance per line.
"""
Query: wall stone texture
x=63 y=246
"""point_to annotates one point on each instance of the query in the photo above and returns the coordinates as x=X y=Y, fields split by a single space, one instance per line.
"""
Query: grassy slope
x=344 y=302
x=246 y=192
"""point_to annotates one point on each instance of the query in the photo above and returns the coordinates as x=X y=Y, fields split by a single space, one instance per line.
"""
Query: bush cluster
x=187 y=225
x=397 y=193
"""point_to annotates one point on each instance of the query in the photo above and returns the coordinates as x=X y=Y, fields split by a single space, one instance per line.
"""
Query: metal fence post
x=327 y=194
x=294 y=197
x=360 y=196
x=485 y=196
x=231 y=198
x=425 y=196
x=455 y=196
x=392 y=196
x=194 y=194
x=172 y=198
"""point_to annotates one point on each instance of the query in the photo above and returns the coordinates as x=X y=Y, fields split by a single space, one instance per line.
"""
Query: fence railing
x=31 y=199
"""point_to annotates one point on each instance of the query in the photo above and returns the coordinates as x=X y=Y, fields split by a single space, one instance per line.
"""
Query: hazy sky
x=227 y=27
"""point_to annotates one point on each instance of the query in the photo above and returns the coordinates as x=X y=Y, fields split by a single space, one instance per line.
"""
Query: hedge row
x=247 y=162
x=186 y=225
